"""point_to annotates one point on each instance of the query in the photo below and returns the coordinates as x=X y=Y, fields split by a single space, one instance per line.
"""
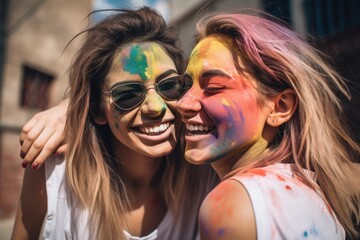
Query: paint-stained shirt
x=286 y=208
x=63 y=221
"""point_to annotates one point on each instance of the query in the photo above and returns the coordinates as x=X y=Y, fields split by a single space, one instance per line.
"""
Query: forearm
x=32 y=206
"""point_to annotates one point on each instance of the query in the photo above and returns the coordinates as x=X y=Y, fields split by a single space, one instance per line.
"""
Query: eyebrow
x=165 y=74
x=214 y=72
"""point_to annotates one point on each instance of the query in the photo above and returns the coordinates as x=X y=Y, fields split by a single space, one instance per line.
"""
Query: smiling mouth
x=198 y=129
x=153 y=130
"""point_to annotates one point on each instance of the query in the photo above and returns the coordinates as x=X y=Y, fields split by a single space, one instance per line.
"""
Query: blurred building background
x=33 y=35
x=33 y=63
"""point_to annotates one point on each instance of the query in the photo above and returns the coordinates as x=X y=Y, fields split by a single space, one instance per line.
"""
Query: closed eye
x=214 y=89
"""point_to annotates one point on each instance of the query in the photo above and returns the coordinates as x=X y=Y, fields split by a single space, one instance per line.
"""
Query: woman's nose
x=189 y=104
x=153 y=104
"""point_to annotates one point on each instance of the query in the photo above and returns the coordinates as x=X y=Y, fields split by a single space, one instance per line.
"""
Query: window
x=326 y=17
x=279 y=9
x=35 y=88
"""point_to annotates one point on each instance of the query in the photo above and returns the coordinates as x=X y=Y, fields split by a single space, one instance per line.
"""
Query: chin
x=197 y=156
x=160 y=151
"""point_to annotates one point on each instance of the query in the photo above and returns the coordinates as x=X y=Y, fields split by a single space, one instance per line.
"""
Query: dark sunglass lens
x=128 y=95
x=173 y=88
x=187 y=83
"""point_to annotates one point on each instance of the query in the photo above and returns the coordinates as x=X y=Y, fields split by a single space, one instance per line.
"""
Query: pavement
x=6 y=226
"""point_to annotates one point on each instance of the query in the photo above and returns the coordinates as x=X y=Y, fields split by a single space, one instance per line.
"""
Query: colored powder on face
x=164 y=106
x=156 y=58
x=305 y=234
x=116 y=116
x=225 y=102
x=156 y=103
x=196 y=60
x=288 y=187
x=221 y=232
x=229 y=134
x=136 y=63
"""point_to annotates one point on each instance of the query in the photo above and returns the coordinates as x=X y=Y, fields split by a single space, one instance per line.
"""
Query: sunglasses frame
x=147 y=88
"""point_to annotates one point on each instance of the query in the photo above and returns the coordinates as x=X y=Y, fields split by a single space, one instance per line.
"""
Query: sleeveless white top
x=65 y=222
x=286 y=208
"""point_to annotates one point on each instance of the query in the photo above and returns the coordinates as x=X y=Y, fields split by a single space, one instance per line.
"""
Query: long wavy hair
x=316 y=137
x=93 y=180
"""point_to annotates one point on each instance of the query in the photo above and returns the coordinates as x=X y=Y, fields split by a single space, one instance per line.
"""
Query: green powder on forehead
x=136 y=63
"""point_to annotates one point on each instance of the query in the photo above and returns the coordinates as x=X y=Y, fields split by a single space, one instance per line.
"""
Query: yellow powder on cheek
x=225 y=102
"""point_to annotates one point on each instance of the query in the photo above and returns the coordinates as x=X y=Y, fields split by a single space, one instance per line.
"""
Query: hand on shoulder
x=43 y=135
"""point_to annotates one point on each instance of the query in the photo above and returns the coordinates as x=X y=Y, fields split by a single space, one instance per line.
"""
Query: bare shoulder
x=227 y=213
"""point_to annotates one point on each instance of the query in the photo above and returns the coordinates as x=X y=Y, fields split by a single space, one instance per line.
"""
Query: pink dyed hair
x=315 y=137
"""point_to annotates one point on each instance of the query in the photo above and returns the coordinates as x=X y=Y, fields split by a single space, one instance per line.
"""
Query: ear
x=284 y=106
x=101 y=120
x=99 y=116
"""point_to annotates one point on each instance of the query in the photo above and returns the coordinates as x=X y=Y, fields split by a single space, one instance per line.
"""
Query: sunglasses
x=128 y=95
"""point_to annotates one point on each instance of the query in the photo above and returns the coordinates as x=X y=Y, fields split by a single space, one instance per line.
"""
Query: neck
x=141 y=172
x=138 y=171
x=142 y=177
x=239 y=159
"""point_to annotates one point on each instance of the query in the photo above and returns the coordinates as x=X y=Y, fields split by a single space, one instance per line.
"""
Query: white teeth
x=151 y=130
x=199 y=127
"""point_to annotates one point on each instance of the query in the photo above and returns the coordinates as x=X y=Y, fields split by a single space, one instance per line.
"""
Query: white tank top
x=286 y=208
x=65 y=222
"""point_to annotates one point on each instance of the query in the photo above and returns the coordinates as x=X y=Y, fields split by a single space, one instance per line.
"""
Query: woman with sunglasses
x=124 y=176
x=274 y=134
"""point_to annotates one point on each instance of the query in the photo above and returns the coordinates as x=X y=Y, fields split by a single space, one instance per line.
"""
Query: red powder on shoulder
x=257 y=171
x=281 y=178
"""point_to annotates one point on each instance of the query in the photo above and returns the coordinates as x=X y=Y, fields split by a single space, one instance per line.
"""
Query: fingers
x=42 y=135
x=26 y=129
x=51 y=146
x=30 y=138
x=44 y=145
x=61 y=150
x=42 y=148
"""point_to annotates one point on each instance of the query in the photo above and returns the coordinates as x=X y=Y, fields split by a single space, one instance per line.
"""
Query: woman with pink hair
x=264 y=112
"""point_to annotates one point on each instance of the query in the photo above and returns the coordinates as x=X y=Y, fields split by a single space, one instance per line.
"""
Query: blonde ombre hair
x=92 y=173
x=316 y=137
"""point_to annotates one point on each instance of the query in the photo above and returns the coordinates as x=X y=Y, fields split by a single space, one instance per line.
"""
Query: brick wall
x=37 y=33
